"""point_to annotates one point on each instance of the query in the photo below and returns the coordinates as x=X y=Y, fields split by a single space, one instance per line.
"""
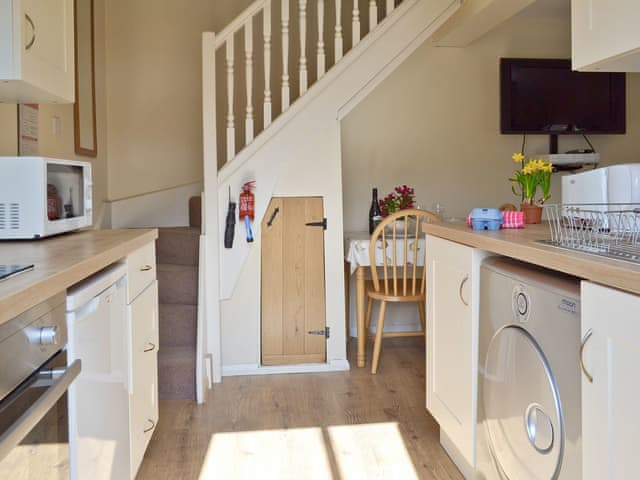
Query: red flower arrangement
x=401 y=198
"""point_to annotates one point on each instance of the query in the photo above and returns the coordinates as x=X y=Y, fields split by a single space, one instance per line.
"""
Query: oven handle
x=29 y=419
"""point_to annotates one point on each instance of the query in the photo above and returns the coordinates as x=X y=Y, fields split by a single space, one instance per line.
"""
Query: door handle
x=322 y=224
x=585 y=339
x=145 y=268
x=153 y=425
x=33 y=32
x=150 y=348
x=273 y=216
x=464 y=280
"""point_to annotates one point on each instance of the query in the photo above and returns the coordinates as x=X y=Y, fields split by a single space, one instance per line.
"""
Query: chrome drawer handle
x=585 y=339
x=33 y=32
x=146 y=268
x=150 y=349
x=464 y=280
x=153 y=425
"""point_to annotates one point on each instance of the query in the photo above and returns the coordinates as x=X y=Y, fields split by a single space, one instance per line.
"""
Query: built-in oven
x=34 y=379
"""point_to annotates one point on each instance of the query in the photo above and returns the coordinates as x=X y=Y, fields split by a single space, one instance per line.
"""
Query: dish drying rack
x=610 y=230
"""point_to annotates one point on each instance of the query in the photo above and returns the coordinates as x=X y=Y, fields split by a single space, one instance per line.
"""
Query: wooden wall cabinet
x=610 y=382
x=142 y=309
x=37 y=51
x=605 y=35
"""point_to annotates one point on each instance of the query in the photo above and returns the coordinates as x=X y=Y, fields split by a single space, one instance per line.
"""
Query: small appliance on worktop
x=42 y=196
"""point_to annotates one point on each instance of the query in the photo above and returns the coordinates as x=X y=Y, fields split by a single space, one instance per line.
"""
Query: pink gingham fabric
x=509 y=219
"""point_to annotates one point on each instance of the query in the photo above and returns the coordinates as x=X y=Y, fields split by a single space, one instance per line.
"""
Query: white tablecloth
x=356 y=250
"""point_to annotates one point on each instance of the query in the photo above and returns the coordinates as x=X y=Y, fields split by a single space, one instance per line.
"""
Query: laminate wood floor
x=342 y=426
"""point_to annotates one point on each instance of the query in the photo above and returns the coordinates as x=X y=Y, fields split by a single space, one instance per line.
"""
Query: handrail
x=238 y=23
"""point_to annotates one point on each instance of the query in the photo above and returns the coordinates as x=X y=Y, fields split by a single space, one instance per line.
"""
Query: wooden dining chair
x=396 y=277
x=508 y=207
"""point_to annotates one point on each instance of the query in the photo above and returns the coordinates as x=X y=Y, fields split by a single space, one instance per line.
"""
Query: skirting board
x=256 y=369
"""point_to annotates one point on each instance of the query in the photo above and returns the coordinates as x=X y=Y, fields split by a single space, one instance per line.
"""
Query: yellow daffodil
x=534 y=173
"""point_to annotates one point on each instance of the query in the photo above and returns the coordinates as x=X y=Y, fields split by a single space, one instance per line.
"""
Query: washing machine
x=529 y=412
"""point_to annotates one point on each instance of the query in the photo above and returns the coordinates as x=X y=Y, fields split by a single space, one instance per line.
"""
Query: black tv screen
x=546 y=96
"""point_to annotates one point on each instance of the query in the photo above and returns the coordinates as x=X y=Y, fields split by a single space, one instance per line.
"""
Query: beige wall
x=154 y=100
x=434 y=124
x=63 y=145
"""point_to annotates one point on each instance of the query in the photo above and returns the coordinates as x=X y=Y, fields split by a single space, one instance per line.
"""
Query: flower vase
x=532 y=213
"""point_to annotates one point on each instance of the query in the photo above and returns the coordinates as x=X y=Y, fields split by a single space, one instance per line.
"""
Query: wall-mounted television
x=544 y=96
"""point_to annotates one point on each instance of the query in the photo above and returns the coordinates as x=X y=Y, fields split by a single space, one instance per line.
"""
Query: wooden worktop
x=521 y=244
x=61 y=261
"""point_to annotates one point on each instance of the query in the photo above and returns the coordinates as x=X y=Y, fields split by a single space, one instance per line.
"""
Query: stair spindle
x=248 y=52
x=355 y=38
x=231 y=131
x=338 y=32
x=285 y=54
x=321 y=54
x=302 y=5
x=373 y=14
x=390 y=6
x=266 y=18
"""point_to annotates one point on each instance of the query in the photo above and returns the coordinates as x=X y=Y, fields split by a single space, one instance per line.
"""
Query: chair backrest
x=395 y=250
x=508 y=207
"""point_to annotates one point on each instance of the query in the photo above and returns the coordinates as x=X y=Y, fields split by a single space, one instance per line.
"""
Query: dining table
x=357 y=256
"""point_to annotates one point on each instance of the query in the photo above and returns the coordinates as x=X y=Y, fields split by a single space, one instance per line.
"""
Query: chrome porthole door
x=522 y=409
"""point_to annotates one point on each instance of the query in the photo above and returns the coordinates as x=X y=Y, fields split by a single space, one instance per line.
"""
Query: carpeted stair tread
x=178 y=245
x=177 y=284
x=178 y=325
x=176 y=372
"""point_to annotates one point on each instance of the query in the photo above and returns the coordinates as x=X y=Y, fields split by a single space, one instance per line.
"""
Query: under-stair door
x=293 y=289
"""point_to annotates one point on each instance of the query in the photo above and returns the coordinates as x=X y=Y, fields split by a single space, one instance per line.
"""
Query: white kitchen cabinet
x=452 y=343
x=37 y=51
x=605 y=35
x=143 y=351
x=611 y=354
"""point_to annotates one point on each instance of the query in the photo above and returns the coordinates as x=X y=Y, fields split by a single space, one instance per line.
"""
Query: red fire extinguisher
x=247 y=207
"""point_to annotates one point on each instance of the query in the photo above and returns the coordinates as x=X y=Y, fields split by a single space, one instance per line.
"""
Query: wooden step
x=177 y=284
x=176 y=372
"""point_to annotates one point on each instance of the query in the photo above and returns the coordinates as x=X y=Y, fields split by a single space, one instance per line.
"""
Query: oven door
x=34 y=426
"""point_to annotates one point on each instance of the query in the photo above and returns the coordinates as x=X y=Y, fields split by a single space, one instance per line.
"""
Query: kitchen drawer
x=141 y=270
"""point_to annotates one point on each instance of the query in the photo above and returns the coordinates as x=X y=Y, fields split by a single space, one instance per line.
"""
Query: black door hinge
x=326 y=332
x=322 y=224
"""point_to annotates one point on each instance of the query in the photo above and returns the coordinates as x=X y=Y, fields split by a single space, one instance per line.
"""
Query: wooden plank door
x=293 y=289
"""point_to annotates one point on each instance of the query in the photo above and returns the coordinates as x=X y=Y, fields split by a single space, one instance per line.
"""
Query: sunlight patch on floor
x=371 y=451
x=272 y=454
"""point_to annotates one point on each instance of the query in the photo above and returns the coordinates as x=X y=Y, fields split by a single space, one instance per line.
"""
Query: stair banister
x=238 y=23
x=266 y=26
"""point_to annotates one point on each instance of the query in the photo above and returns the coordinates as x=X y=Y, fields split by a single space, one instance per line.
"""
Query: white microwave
x=42 y=196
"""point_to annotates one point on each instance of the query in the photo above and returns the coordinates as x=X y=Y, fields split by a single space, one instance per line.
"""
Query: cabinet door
x=293 y=290
x=611 y=354
x=143 y=398
x=450 y=372
x=605 y=35
x=39 y=60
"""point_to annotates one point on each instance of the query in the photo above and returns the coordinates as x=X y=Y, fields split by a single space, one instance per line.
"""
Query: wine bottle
x=375 y=216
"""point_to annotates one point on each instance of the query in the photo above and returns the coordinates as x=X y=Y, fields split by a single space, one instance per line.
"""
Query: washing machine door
x=523 y=414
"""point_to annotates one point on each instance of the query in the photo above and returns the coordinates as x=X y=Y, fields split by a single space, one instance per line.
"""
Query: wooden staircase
x=177 y=252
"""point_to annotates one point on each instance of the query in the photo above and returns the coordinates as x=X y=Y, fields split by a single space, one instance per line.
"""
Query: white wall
x=434 y=125
x=154 y=99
